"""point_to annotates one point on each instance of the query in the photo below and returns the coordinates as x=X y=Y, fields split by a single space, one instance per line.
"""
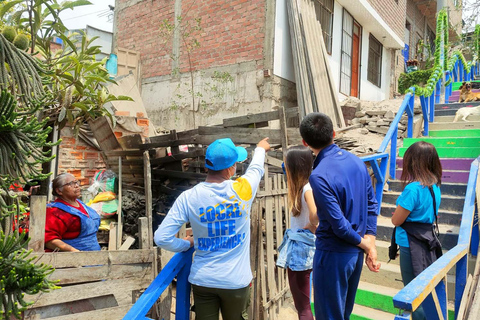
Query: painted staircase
x=458 y=144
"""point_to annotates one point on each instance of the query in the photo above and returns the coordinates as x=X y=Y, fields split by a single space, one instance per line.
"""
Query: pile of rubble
x=369 y=121
x=377 y=116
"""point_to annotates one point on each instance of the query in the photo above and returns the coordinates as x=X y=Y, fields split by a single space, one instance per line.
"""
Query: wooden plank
x=283 y=129
x=127 y=243
x=38 y=209
x=272 y=286
x=90 y=258
x=273 y=161
x=112 y=236
x=179 y=174
x=465 y=298
x=258 y=118
x=112 y=313
x=143 y=233
x=119 y=207
x=262 y=288
x=178 y=157
x=249 y=135
x=105 y=272
x=272 y=193
x=130 y=142
x=254 y=239
x=129 y=162
x=124 y=153
x=86 y=291
x=278 y=233
x=103 y=133
x=148 y=196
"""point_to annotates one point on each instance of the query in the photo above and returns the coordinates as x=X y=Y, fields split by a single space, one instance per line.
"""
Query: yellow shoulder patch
x=243 y=189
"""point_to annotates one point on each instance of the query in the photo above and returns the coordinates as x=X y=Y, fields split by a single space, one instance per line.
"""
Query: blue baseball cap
x=222 y=154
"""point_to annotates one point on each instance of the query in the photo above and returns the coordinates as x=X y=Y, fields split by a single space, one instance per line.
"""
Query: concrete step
x=444 y=216
x=452 y=189
x=454 y=125
x=454 y=133
x=386 y=293
x=448 y=233
x=455 y=105
x=449 y=118
x=448 y=163
x=365 y=313
x=444 y=142
x=448 y=203
x=456 y=85
x=451 y=176
x=449 y=152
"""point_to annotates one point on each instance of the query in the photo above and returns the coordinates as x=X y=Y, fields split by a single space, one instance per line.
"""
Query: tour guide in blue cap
x=219 y=212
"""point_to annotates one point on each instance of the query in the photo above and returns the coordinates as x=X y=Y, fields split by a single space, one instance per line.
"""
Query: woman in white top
x=298 y=246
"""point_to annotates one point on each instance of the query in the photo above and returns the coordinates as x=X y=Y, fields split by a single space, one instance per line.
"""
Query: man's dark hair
x=317 y=130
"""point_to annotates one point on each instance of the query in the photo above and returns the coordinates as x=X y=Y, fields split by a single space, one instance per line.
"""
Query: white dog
x=465 y=112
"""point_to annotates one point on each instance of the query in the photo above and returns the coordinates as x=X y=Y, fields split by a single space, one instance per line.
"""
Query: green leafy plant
x=407 y=80
x=441 y=41
x=79 y=84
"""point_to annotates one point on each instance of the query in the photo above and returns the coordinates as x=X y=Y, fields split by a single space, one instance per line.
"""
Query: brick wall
x=393 y=13
x=232 y=32
x=78 y=158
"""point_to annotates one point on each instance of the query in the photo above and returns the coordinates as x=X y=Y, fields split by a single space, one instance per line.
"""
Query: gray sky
x=96 y=15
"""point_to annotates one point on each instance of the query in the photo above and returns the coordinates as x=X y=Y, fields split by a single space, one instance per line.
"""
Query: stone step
x=448 y=163
x=454 y=133
x=449 y=152
x=455 y=105
x=450 y=118
x=455 y=142
x=453 y=189
x=444 y=216
x=448 y=233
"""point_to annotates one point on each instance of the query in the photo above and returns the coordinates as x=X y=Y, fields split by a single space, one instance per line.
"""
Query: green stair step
x=451 y=152
x=375 y=300
x=456 y=85
x=455 y=142
x=455 y=133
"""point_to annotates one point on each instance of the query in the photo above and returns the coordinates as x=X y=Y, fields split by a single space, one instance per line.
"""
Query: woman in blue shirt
x=416 y=212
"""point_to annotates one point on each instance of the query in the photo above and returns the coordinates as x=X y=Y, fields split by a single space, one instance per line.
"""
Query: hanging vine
x=448 y=63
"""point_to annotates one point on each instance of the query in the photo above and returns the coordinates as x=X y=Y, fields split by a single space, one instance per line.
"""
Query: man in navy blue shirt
x=347 y=211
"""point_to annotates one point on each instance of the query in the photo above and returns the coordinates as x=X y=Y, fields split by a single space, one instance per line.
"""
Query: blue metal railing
x=178 y=266
x=429 y=288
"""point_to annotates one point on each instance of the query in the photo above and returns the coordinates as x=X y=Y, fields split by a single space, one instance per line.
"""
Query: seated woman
x=70 y=225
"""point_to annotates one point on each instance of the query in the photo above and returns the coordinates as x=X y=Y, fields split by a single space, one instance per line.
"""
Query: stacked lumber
x=315 y=86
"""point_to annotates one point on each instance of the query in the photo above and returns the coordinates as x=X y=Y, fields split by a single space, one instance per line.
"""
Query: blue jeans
x=335 y=279
x=407 y=275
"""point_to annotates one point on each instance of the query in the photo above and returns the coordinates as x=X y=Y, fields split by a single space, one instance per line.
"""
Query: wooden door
x=355 y=60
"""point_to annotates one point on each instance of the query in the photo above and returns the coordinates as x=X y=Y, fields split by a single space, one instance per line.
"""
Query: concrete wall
x=104 y=40
x=368 y=91
x=235 y=40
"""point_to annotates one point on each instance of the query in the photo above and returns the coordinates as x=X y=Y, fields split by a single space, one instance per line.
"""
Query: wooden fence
x=269 y=220
x=94 y=285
